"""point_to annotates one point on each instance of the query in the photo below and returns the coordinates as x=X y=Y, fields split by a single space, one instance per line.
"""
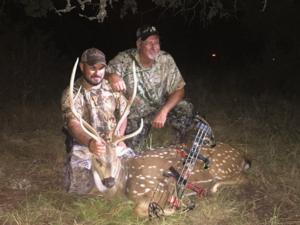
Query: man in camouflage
x=160 y=86
x=99 y=106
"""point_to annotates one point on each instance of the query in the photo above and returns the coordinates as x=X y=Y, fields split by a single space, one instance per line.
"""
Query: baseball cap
x=93 y=56
x=145 y=31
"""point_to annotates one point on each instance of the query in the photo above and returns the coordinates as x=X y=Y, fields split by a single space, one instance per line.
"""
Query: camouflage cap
x=93 y=56
x=145 y=31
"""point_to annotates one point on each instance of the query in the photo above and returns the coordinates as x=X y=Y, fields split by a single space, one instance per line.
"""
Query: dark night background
x=37 y=53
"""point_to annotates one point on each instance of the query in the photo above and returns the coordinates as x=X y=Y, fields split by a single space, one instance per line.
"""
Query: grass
x=264 y=125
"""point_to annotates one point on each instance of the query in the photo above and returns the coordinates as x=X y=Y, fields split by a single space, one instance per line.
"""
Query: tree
x=205 y=10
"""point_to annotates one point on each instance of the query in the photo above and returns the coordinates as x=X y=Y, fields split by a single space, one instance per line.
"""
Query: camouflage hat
x=93 y=56
x=145 y=31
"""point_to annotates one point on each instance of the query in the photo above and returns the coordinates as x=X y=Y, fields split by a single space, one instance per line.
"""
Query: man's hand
x=159 y=119
x=97 y=147
x=122 y=144
x=116 y=82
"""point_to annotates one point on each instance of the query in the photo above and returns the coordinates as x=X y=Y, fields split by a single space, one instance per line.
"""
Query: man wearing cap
x=160 y=86
x=99 y=106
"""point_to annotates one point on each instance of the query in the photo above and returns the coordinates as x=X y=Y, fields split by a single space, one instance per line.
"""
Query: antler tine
x=126 y=111
x=88 y=129
x=130 y=135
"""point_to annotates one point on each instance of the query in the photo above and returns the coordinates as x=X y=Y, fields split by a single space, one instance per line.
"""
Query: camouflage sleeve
x=174 y=79
x=67 y=113
x=116 y=65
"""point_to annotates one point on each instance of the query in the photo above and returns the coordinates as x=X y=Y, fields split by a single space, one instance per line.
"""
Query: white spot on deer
x=161 y=170
x=224 y=161
x=130 y=175
x=142 y=178
x=161 y=184
x=219 y=154
x=229 y=170
x=217 y=165
x=151 y=182
x=133 y=167
x=142 y=185
x=153 y=166
x=141 y=166
x=148 y=176
x=147 y=190
x=169 y=161
x=134 y=192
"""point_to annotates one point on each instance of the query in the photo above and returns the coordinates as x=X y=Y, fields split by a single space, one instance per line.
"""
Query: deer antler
x=126 y=112
x=88 y=129
x=84 y=125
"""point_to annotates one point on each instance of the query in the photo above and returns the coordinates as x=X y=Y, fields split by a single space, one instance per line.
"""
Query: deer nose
x=109 y=182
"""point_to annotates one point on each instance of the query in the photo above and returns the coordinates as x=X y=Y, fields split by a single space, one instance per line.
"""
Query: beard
x=94 y=80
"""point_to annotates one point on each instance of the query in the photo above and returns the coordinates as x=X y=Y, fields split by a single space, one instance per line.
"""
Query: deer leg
x=239 y=180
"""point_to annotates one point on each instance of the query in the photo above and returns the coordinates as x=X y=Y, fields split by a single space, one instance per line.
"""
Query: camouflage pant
x=78 y=179
x=180 y=118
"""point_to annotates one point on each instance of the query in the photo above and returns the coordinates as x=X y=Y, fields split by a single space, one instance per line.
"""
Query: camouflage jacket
x=99 y=106
x=154 y=84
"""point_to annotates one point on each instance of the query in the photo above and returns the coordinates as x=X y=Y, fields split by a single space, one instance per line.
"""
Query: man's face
x=93 y=74
x=150 y=47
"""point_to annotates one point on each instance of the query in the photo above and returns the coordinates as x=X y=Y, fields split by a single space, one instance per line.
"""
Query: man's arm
x=116 y=81
x=173 y=99
x=96 y=147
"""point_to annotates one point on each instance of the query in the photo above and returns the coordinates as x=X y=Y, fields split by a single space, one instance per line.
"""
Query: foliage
x=98 y=10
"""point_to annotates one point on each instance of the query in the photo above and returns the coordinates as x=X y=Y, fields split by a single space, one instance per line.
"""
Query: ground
x=32 y=165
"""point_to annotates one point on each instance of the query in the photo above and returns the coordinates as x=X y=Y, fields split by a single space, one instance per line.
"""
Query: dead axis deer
x=146 y=182
x=108 y=169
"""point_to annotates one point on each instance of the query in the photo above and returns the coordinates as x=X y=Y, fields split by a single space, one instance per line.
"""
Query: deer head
x=107 y=168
